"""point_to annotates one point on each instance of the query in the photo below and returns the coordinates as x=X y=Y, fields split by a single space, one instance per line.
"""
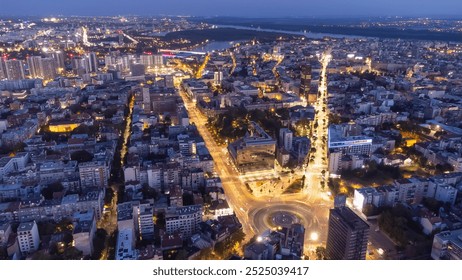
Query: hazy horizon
x=238 y=8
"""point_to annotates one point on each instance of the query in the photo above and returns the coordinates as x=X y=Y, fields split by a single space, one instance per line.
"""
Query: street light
x=314 y=236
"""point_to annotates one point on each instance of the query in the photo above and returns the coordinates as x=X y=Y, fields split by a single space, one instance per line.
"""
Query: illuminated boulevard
x=257 y=213
x=316 y=171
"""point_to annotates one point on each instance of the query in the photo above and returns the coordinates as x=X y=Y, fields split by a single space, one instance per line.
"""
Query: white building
x=412 y=190
x=184 y=220
x=132 y=174
x=447 y=245
x=379 y=197
x=124 y=248
x=431 y=224
x=93 y=174
x=13 y=164
x=220 y=208
x=126 y=217
x=145 y=221
x=446 y=193
x=28 y=237
x=84 y=231
x=334 y=162
x=363 y=196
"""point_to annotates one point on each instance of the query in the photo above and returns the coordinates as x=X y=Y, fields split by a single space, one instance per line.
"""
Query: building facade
x=347 y=235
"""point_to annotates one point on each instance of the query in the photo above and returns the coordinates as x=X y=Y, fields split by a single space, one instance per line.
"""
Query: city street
x=312 y=209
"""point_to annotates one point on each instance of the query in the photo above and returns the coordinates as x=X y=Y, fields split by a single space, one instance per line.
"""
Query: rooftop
x=26 y=226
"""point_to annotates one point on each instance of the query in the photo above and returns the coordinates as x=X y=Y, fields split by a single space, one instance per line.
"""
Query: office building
x=347 y=235
x=341 y=140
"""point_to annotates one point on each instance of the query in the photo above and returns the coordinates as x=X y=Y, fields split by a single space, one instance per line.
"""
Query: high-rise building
x=110 y=60
x=158 y=60
x=347 y=235
x=14 y=69
x=2 y=70
x=60 y=60
x=285 y=138
x=47 y=68
x=92 y=61
x=146 y=100
x=305 y=82
x=152 y=60
x=80 y=65
x=33 y=62
x=147 y=60
x=217 y=78
x=125 y=61
x=145 y=221
x=28 y=237
x=137 y=69
x=43 y=68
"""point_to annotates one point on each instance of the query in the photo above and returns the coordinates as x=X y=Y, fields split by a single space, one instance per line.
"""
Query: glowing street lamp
x=314 y=236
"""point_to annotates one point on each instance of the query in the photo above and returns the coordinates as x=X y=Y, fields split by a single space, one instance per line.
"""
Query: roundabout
x=283 y=219
x=281 y=214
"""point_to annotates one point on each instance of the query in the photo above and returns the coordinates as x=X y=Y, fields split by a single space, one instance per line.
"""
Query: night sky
x=247 y=8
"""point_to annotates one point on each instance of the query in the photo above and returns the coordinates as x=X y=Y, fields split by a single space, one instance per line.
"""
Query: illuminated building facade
x=352 y=145
x=63 y=127
x=254 y=152
x=305 y=83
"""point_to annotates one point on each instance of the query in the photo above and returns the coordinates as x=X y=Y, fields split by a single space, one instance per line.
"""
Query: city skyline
x=195 y=138
x=259 y=8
